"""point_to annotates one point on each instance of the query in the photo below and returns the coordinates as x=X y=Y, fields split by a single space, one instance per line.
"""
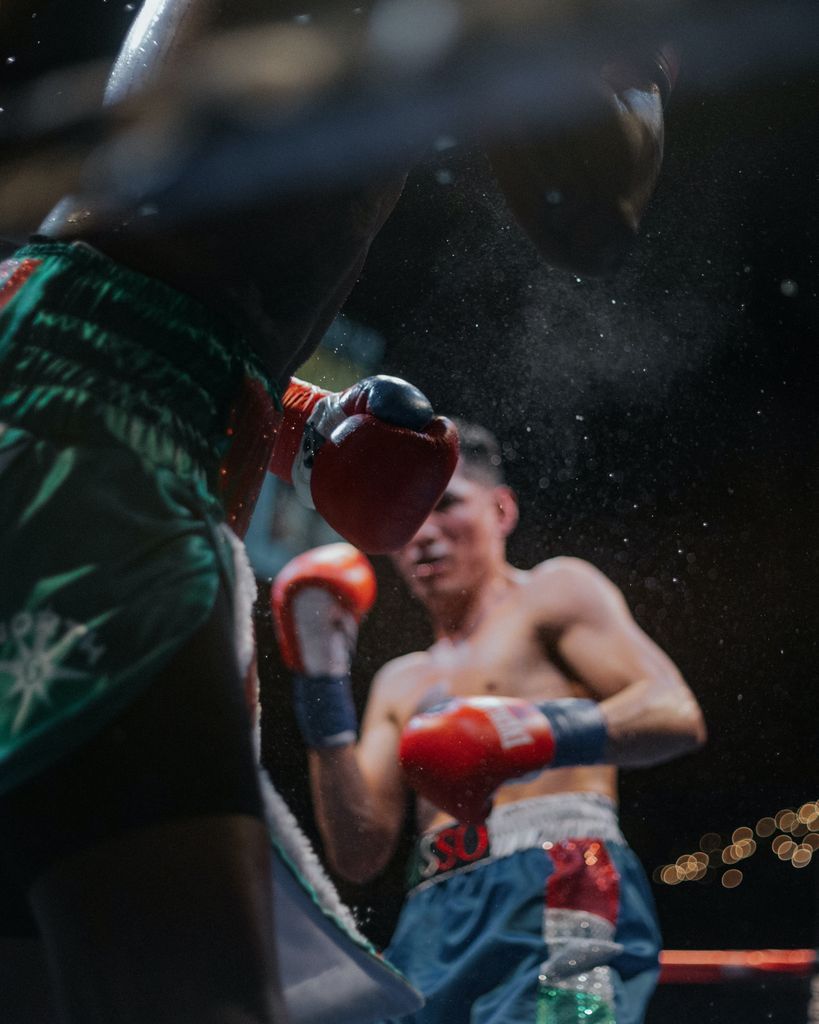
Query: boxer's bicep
x=650 y=711
x=594 y=632
x=608 y=651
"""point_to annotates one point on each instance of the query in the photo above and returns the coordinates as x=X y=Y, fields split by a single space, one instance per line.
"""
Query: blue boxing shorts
x=542 y=916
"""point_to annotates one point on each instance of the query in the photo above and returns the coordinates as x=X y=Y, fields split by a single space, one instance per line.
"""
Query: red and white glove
x=456 y=756
x=318 y=600
x=372 y=460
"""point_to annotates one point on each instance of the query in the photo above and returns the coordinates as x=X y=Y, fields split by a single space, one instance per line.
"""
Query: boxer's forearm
x=358 y=838
x=164 y=29
x=650 y=721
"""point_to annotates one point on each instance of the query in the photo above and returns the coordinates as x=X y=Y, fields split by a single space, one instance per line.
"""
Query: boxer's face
x=461 y=541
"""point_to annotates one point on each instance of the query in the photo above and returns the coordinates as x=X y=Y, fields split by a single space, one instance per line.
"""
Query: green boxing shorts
x=117 y=399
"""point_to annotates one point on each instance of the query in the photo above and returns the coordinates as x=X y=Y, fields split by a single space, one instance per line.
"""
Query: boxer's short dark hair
x=481 y=457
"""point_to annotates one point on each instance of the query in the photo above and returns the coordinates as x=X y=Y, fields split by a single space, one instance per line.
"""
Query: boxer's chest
x=508 y=657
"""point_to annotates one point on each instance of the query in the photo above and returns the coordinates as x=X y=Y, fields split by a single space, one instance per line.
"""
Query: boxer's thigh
x=130 y=810
x=24 y=982
x=637 y=967
x=473 y=943
x=146 y=857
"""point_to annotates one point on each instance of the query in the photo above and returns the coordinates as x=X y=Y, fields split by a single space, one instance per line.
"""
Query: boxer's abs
x=514 y=672
x=601 y=779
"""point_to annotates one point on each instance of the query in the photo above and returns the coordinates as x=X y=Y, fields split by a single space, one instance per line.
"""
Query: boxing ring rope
x=752 y=985
x=718 y=966
x=790 y=836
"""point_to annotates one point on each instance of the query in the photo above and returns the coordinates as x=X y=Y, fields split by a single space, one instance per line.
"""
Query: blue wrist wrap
x=579 y=730
x=325 y=710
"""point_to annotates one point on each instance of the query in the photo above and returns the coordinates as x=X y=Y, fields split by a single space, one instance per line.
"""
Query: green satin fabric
x=91 y=349
x=108 y=566
x=115 y=393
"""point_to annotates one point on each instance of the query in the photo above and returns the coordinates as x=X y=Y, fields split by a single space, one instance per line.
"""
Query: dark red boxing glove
x=372 y=460
x=458 y=755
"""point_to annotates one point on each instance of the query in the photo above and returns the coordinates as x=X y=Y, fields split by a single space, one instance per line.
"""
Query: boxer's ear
x=507 y=509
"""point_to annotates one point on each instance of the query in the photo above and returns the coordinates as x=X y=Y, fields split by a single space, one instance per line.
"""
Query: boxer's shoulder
x=406 y=674
x=567 y=587
x=565 y=568
x=400 y=685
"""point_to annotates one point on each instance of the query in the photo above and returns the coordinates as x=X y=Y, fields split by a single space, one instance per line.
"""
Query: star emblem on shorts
x=36 y=666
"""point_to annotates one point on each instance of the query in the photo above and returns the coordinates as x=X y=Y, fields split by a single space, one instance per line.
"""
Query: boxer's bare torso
x=513 y=652
x=559 y=630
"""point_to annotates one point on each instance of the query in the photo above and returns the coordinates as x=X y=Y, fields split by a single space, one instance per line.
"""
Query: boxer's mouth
x=431 y=564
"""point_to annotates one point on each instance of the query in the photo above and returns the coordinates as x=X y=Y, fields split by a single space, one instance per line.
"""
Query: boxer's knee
x=167 y=923
x=146 y=858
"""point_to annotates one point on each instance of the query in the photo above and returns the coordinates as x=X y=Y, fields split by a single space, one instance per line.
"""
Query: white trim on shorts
x=539 y=821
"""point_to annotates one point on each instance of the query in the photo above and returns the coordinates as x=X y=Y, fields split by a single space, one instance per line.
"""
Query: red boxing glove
x=318 y=600
x=458 y=756
x=341 y=571
x=372 y=460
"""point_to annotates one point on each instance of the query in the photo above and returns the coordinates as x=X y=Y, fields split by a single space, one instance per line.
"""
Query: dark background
x=661 y=423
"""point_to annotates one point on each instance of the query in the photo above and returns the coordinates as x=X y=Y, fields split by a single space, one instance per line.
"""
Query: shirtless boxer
x=539 y=911
x=140 y=372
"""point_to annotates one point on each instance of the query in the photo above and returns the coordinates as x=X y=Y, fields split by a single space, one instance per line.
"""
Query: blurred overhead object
x=334 y=97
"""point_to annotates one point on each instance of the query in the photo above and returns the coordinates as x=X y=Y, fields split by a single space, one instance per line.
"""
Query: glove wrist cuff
x=325 y=711
x=298 y=402
x=579 y=731
x=327 y=414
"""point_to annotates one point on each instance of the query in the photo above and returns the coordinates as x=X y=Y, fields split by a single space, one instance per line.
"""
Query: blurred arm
x=358 y=793
x=650 y=713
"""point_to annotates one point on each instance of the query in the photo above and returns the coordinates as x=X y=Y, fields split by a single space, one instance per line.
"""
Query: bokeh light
x=714 y=853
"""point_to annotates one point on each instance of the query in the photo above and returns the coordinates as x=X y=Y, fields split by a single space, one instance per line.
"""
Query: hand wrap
x=325 y=710
x=578 y=729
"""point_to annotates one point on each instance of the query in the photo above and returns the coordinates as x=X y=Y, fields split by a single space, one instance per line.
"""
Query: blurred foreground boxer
x=525 y=902
x=142 y=400
x=141 y=372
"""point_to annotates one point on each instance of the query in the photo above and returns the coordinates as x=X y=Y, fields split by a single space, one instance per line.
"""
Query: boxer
x=139 y=411
x=525 y=902
x=142 y=373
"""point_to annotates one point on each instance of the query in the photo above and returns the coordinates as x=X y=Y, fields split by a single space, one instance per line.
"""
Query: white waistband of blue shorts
x=538 y=822
x=552 y=818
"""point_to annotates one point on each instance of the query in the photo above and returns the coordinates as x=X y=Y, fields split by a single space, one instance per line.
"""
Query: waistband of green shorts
x=90 y=349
